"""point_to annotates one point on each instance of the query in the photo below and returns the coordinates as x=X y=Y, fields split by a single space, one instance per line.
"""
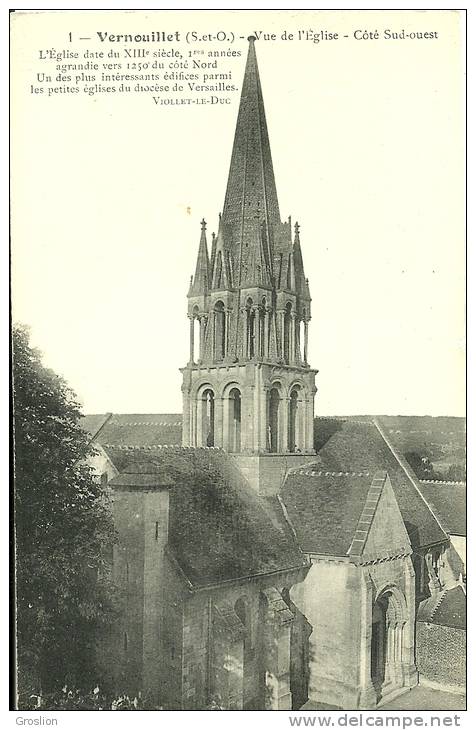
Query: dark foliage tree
x=63 y=531
x=421 y=464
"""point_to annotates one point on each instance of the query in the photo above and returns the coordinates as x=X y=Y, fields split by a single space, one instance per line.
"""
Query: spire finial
x=296 y=228
x=251 y=38
x=203 y=223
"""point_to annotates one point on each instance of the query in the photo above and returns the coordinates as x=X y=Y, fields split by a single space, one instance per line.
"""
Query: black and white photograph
x=238 y=362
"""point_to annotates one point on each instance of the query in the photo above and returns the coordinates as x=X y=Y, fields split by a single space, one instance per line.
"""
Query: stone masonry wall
x=441 y=654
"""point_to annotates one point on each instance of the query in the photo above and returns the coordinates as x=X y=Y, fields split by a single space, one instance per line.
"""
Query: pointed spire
x=213 y=252
x=302 y=285
x=201 y=280
x=221 y=273
x=251 y=183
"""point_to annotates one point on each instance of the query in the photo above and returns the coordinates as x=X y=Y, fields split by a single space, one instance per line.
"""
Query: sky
x=367 y=138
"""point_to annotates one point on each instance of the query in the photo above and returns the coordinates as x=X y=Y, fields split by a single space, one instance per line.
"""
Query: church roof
x=446 y=608
x=347 y=445
x=325 y=507
x=135 y=429
x=343 y=445
x=448 y=499
x=219 y=529
x=93 y=423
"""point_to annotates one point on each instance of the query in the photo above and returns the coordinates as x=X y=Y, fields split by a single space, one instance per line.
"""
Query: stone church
x=265 y=557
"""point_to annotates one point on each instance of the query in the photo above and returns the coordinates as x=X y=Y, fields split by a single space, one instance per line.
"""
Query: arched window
x=234 y=420
x=220 y=344
x=289 y=279
x=302 y=354
x=249 y=332
x=252 y=332
x=263 y=334
x=241 y=611
x=208 y=418
x=287 y=337
x=293 y=420
x=196 y=335
x=273 y=420
x=219 y=271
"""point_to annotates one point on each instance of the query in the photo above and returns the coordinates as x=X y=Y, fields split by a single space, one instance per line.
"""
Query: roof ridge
x=345 y=419
x=441 y=481
x=322 y=473
x=409 y=473
x=150 y=447
x=149 y=423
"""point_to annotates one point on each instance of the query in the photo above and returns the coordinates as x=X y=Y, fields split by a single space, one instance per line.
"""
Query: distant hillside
x=435 y=446
x=440 y=440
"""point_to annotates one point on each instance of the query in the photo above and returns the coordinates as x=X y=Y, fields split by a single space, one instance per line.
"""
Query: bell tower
x=248 y=387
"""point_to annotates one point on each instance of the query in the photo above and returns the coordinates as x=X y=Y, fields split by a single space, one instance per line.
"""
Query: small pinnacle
x=213 y=235
x=251 y=38
x=296 y=228
x=203 y=224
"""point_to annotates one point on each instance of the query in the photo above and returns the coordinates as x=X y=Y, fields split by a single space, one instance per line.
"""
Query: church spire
x=251 y=184
x=201 y=281
x=248 y=387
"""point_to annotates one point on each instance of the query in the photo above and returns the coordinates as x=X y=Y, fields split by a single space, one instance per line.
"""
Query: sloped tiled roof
x=446 y=608
x=325 y=508
x=343 y=445
x=219 y=529
x=93 y=423
x=449 y=501
x=138 y=429
x=348 y=445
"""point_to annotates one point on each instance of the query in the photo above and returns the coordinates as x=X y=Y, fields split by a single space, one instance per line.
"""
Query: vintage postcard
x=238 y=305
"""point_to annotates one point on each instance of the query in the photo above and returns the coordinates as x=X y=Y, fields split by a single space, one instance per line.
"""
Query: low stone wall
x=441 y=654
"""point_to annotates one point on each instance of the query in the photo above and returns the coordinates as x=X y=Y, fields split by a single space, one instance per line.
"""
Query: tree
x=421 y=464
x=63 y=531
